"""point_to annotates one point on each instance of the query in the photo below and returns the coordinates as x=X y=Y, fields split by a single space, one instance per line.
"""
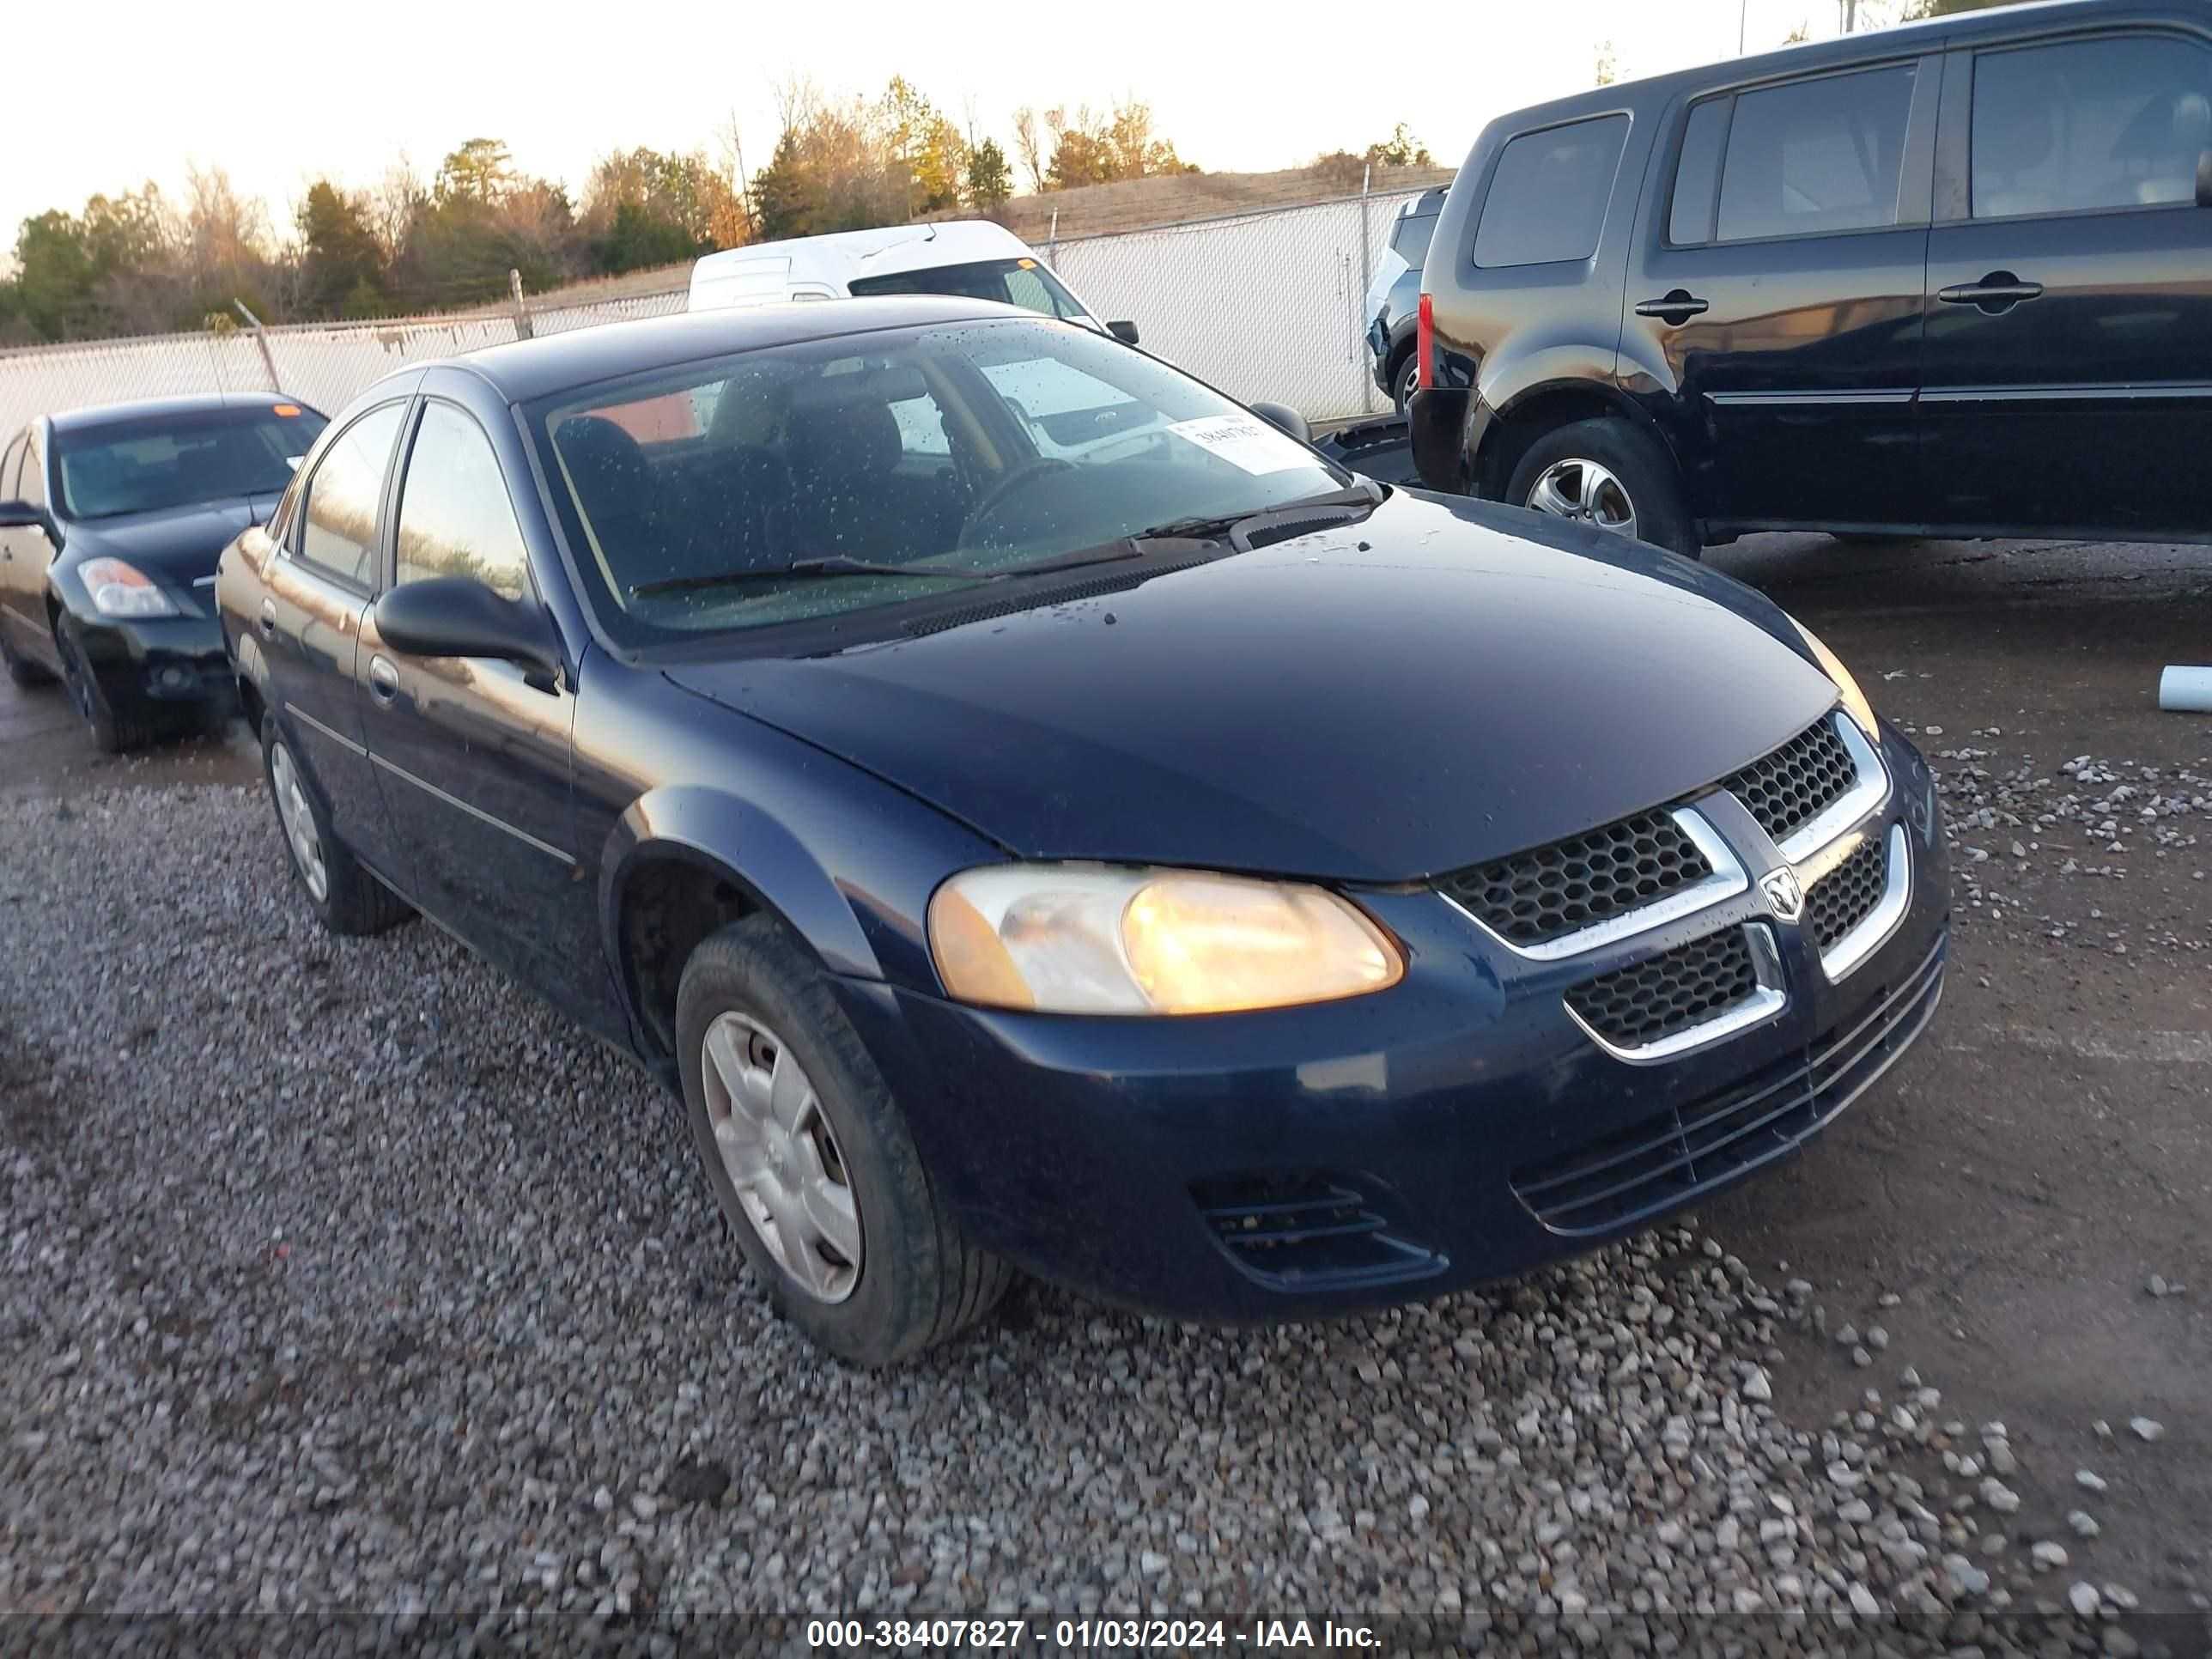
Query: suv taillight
x=1425 y=345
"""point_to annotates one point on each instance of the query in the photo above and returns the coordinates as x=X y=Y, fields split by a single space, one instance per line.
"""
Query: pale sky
x=110 y=93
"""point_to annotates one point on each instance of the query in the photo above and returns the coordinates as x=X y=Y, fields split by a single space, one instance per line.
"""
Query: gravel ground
x=342 y=1275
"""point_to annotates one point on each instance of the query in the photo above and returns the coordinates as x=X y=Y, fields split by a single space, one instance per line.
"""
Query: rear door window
x=339 y=536
x=2116 y=123
x=1698 y=175
x=1816 y=156
x=1548 y=199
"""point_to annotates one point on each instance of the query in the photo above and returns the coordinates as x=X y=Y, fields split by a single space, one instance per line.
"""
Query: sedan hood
x=1443 y=684
x=179 y=545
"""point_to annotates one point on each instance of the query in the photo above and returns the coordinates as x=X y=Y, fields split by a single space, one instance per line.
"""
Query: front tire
x=114 y=731
x=1611 y=474
x=1404 y=378
x=345 y=898
x=811 y=1159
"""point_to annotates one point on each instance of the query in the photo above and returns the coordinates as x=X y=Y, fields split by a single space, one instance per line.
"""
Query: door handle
x=1678 y=307
x=269 y=618
x=1997 y=292
x=383 y=681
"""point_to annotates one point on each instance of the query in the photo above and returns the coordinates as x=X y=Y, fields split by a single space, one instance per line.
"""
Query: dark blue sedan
x=1039 y=814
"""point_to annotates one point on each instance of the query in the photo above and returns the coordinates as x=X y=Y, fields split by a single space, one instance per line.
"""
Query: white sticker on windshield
x=1243 y=440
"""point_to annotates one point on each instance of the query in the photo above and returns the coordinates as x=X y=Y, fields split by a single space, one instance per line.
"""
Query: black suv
x=1954 y=278
x=1393 y=298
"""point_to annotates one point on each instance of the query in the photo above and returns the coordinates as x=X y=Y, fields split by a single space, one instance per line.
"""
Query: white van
x=972 y=258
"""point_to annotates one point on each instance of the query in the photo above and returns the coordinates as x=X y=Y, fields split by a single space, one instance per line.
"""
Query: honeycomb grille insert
x=1788 y=789
x=1532 y=899
x=1635 y=1006
x=1847 y=895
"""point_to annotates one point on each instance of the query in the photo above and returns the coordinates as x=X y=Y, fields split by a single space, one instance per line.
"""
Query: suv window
x=1548 y=199
x=455 y=518
x=1820 y=155
x=1410 y=241
x=1698 y=175
x=2091 y=124
x=340 y=532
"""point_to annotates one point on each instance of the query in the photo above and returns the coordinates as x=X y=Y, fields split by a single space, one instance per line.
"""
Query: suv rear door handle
x=1998 y=292
x=269 y=618
x=1678 y=307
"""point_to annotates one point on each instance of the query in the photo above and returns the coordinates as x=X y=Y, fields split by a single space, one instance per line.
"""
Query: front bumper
x=1459 y=1128
x=157 y=662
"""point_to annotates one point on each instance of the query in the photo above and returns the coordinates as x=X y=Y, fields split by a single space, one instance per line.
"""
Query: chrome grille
x=1789 y=788
x=1554 y=890
x=1847 y=896
x=1635 y=1006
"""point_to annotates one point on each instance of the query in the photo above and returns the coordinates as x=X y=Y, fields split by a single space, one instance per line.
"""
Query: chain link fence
x=1263 y=305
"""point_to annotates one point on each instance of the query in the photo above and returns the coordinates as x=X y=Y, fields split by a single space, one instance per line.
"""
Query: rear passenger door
x=1775 y=294
x=2069 y=274
x=309 y=625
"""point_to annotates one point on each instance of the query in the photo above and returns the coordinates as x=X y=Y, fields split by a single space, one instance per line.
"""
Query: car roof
x=880 y=252
x=1927 y=34
x=526 y=369
x=191 y=403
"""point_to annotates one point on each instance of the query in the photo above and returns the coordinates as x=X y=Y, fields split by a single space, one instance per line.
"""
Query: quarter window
x=340 y=532
x=455 y=518
x=1548 y=199
x=2116 y=123
x=1821 y=156
x=1410 y=242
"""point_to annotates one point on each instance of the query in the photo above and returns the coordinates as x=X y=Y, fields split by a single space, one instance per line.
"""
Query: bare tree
x=1029 y=145
x=393 y=203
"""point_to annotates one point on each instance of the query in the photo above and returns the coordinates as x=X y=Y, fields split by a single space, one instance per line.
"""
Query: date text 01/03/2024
x=1083 y=1633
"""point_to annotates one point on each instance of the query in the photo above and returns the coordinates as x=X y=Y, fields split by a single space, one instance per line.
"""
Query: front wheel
x=1404 y=380
x=114 y=731
x=1607 y=473
x=810 y=1160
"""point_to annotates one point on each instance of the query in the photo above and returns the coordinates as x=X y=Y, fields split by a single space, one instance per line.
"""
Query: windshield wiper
x=1203 y=528
x=836 y=565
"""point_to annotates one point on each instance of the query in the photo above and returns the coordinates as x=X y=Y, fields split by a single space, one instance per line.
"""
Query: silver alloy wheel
x=1409 y=381
x=299 y=820
x=1584 y=490
x=780 y=1157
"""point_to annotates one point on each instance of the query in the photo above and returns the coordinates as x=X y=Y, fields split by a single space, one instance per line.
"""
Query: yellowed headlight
x=1096 y=940
x=1855 y=701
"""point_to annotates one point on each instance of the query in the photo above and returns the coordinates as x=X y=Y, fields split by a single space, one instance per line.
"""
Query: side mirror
x=2204 y=178
x=1283 y=416
x=22 y=516
x=1127 y=333
x=458 y=617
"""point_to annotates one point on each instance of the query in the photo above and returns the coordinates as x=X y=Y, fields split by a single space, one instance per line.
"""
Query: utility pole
x=1742 y=11
x=1851 y=15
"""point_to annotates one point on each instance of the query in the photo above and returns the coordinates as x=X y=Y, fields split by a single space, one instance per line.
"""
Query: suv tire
x=350 y=901
x=1403 y=374
x=823 y=1140
x=1609 y=473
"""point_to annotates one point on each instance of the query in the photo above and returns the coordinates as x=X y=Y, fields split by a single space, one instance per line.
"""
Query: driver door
x=470 y=753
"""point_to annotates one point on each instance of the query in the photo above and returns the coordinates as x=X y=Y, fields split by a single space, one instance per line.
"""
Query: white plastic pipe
x=2185 y=691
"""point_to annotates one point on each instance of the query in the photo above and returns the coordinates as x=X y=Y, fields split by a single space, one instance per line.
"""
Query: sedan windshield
x=152 y=462
x=801 y=482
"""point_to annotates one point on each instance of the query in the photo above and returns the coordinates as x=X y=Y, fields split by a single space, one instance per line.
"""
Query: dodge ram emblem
x=1783 y=895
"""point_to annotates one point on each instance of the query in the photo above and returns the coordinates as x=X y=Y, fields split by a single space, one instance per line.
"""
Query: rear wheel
x=344 y=897
x=811 y=1159
x=1608 y=473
